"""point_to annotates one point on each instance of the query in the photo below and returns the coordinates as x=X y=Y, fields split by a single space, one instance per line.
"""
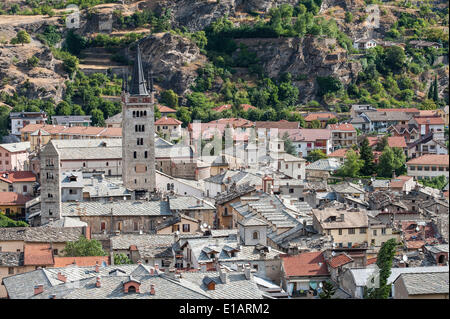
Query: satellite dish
x=205 y=225
x=333 y=253
x=405 y=258
x=177 y=232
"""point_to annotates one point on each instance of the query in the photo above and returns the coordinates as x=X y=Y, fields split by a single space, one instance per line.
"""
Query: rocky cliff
x=43 y=81
x=172 y=59
x=305 y=58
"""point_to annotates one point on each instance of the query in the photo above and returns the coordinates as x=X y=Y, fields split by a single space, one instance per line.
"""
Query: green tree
x=435 y=90
x=382 y=143
x=5 y=221
x=33 y=61
x=399 y=161
x=315 y=155
x=348 y=17
x=328 y=84
x=21 y=37
x=385 y=258
x=121 y=259
x=63 y=108
x=351 y=166
x=288 y=146
x=98 y=118
x=169 y=98
x=184 y=115
x=391 y=160
x=394 y=58
x=328 y=290
x=315 y=124
x=366 y=155
x=436 y=182
x=83 y=247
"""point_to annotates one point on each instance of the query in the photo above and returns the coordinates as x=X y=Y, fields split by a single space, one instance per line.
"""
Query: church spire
x=137 y=85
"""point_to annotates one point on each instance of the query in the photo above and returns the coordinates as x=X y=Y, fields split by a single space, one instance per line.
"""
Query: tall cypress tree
x=435 y=90
x=366 y=155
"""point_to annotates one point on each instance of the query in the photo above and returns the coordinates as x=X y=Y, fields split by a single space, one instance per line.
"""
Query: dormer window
x=131 y=285
x=255 y=235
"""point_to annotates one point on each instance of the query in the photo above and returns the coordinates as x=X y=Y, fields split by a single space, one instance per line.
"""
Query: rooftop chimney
x=98 y=284
x=62 y=277
x=342 y=217
x=247 y=272
x=223 y=275
x=97 y=267
x=152 y=289
x=38 y=289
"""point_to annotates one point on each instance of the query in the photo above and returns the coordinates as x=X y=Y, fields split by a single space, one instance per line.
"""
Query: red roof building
x=225 y=107
x=38 y=255
x=13 y=199
x=339 y=260
x=165 y=110
x=17 y=177
x=393 y=141
x=85 y=261
x=168 y=121
x=308 y=264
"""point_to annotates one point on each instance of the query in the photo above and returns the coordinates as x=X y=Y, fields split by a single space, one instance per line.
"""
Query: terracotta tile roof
x=319 y=116
x=306 y=135
x=22 y=176
x=166 y=109
x=430 y=159
x=52 y=129
x=247 y=107
x=434 y=120
x=283 y=124
x=13 y=199
x=371 y=261
x=80 y=261
x=221 y=108
x=168 y=121
x=393 y=141
x=342 y=127
x=112 y=132
x=428 y=113
x=340 y=260
x=234 y=122
x=305 y=264
x=398 y=182
x=38 y=254
x=339 y=153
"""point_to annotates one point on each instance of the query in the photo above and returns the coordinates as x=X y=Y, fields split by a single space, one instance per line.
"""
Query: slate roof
x=325 y=164
x=252 y=221
x=361 y=275
x=53 y=234
x=16 y=147
x=189 y=203
x=425 y=283
x=12 y=233
x=81 y=284
x=118 y=208
x=351 y=219
x=149 y=246
x=348 y=188
x=11 y=259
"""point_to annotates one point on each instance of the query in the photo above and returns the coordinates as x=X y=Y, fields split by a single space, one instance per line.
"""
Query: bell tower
x=138 y=130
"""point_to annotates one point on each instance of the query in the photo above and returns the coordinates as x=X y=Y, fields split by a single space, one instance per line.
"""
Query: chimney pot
x=152 y=289
x=38 y=289
x=62 y=277
x=97 y=267
x=98 y=284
